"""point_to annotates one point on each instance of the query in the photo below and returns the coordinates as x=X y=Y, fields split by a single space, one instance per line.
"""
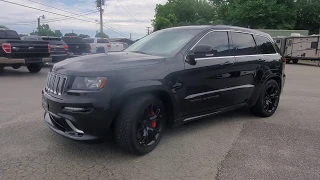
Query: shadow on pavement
x=107 y=146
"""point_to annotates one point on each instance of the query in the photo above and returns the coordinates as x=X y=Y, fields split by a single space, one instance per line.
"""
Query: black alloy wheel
x=140 y=124
x=268 y=100
x=271 y=99
x=150 y=126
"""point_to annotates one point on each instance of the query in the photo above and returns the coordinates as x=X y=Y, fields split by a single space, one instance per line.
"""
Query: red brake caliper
x=153 y=123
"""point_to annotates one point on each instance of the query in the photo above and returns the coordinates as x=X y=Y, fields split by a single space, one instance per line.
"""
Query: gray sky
x=24 y=20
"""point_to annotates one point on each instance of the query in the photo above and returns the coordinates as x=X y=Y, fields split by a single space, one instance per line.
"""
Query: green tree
x=44 y=30
x=2 y=26
x=260 y=14
x=308 y=15
x=84 y=36
x=102 y=35
x=183 y=12
x=71 y=34
x=58 y=33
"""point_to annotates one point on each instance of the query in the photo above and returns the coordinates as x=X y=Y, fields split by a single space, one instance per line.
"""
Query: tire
x=130 y=120
x=34 y=68
x=295 y=61
x=260 y=108
x=16 y=66
x=289 y=61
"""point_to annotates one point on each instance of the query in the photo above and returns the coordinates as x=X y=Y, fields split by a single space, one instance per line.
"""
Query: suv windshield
x=163 y=43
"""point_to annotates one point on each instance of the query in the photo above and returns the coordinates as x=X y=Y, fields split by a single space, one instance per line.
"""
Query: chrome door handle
x=261 y=60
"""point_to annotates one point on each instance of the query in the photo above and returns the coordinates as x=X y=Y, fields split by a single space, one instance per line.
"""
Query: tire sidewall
x=140 y=104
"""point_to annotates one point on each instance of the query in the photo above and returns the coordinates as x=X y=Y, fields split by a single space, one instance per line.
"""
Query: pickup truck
x=103 y=45
x=77 y=46
x=14 y=52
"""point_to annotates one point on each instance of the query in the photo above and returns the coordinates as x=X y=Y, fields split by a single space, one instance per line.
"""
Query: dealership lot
x=235 y=145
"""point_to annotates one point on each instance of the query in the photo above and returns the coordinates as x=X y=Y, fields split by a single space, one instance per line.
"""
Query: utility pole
x=39 y=22
x=100 y=4
x=148 y=28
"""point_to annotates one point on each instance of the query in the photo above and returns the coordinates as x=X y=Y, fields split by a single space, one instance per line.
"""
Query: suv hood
x=105 y=62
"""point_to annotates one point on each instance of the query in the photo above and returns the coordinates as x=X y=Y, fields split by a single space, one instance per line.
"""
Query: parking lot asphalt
x=236 y=145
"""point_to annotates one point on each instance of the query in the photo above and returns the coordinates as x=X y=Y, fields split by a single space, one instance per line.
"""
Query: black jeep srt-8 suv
x=170 y=77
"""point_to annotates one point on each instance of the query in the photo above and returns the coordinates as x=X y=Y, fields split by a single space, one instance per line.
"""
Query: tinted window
x=243 y=44
x=218 y=43
x=12 y=35
x=9 y=34
x=314 y=45
x=72 y=40
x=88 y=40
x=102 y=41
x=2 y=34
x=264 y=46
x=54 y=41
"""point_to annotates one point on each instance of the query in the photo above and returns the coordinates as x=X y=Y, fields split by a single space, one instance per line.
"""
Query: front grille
x=55 y=83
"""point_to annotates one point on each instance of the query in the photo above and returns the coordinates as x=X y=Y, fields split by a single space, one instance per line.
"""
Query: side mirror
x=202 y=49
x=199 y=51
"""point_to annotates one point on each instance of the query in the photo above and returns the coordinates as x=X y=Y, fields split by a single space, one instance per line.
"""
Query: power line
x=54 y=8
x=50 y=20
x=127 y=11
x=59 y=15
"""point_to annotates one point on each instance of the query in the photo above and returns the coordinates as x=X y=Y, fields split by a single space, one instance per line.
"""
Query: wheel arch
x=266 y=77
x=165 y=95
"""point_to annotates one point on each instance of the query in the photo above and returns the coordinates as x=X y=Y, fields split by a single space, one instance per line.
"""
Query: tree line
x=44 y=30
x=255 y=14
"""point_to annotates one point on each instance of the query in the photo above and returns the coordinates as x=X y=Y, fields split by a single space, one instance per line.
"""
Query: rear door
x=207 y=84
x=247 y=62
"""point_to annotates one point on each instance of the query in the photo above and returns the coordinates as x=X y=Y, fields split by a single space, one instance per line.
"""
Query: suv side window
x=264 y=45
x=219 y=43
x=243 y=44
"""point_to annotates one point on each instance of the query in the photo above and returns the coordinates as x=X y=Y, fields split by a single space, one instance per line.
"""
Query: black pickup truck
x=14 y=52
x=77 y=46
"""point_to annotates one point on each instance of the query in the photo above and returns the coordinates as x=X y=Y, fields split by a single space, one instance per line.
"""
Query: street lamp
x=39 y=22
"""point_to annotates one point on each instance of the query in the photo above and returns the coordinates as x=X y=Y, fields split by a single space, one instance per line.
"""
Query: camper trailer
x=296 y=47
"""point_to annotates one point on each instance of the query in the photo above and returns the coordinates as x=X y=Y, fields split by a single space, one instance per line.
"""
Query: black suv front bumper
x=76 y=118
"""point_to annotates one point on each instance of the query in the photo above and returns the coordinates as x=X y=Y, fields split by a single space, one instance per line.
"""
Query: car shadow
x=108 y=145
x=304 y=63
x=23 y=71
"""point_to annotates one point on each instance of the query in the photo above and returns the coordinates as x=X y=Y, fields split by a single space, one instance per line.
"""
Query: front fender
x=143 y=87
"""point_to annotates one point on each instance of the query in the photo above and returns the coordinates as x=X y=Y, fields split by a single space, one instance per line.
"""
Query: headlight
x=89 y=83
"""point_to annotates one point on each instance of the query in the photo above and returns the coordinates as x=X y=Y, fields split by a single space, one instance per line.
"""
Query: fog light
x=75 y=109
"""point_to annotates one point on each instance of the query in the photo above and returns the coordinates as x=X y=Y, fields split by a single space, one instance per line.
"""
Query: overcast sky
x=24 y=20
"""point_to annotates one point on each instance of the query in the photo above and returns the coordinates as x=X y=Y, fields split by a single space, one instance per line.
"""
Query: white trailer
x=296 y=48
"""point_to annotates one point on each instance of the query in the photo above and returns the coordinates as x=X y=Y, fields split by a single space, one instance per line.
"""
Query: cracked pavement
x=236 y=145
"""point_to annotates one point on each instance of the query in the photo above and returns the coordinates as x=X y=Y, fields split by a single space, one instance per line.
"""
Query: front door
x=207 y=83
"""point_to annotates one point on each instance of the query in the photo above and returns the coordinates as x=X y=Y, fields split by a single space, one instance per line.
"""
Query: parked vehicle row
x=103 y=45
x=59 y=50
x=15 y=52
x=170 y=77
